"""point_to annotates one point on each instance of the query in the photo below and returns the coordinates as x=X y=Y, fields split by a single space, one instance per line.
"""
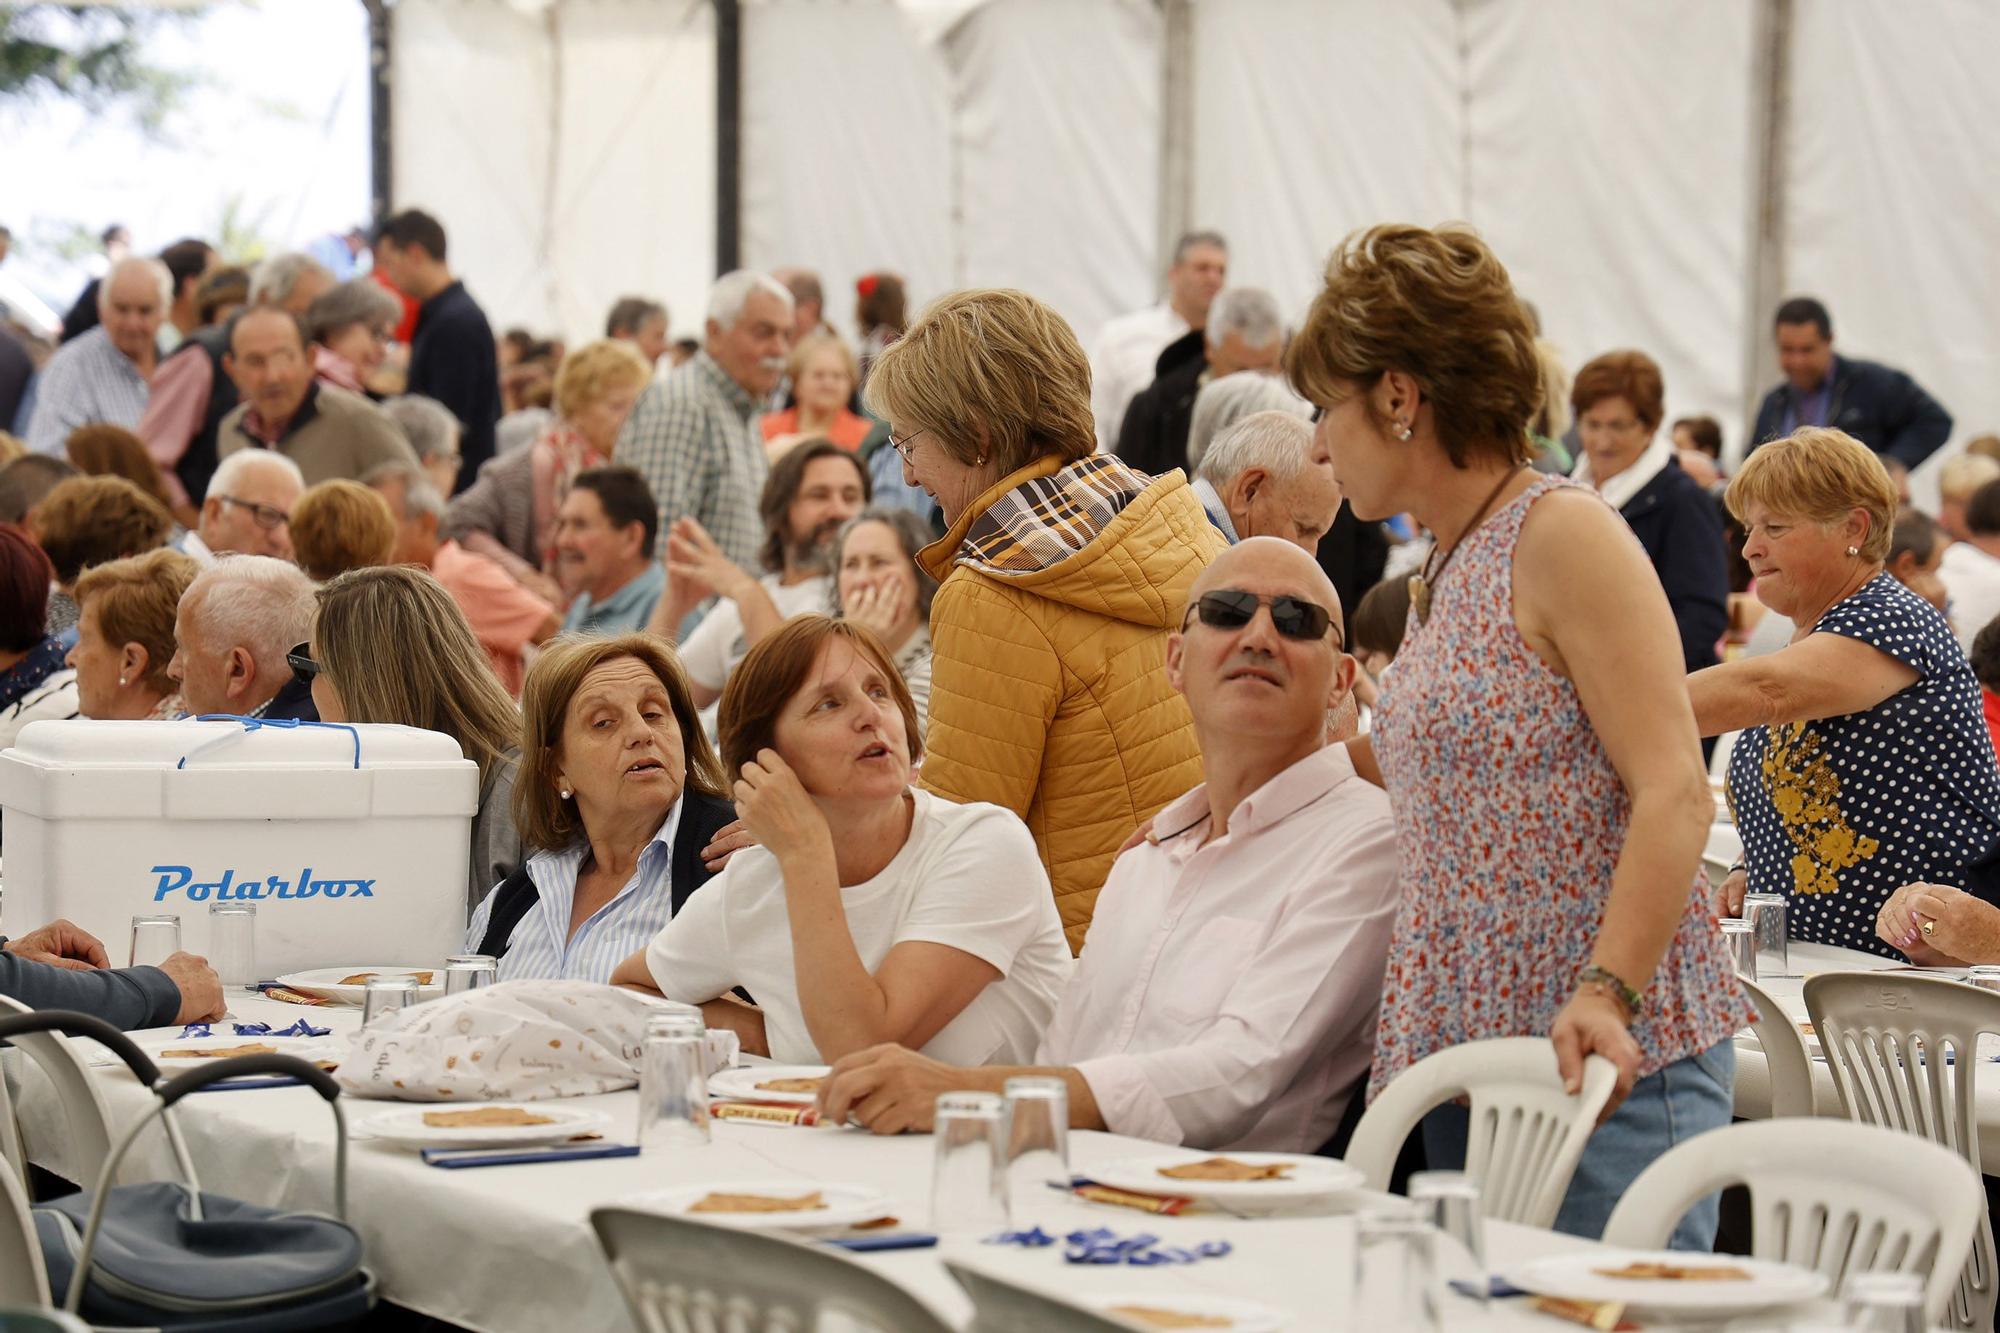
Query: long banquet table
x=509 y=1248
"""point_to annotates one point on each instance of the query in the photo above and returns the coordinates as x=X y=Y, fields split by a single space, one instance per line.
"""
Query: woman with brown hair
x=1618 y=399
x=618 y=792
x=88 y=521
x=104 y=450
x=370 y=625
x=867 y=912
x=342 y=525
x=125 y=636
x=1535 y=736
x=1061 y=576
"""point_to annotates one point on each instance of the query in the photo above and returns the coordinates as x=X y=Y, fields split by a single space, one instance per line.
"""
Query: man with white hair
x=105 y=374
x=1125 y=357
x=1267 y=476
x=192 y=393
x=693 y=435
x=248 y=508
x=452 y=357
x=1244 y=333
x=505 y=617
x=1224 y=402
x=236 y=625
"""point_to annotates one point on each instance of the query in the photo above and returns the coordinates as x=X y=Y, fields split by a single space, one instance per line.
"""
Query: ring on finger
x=1929 y=928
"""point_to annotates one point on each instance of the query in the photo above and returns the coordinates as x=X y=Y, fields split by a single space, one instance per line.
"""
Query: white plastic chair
x=19 y=1319
x=1829 y=1195
x=678 y=1274
x=1787 y=1061
x=999 y=1306
x=23 y=1280
x=1903 y=1051
x=1527 y=1133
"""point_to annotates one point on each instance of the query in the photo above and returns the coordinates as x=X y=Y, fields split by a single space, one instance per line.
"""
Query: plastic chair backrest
x=680 y=1274
x=86 y=1118
x=999 y=1306
x=19 y=1319
x=1527 y=1133
x=1787 y=1062
x=1904 y=1053
x=1829 y=1195
x=23 y=1280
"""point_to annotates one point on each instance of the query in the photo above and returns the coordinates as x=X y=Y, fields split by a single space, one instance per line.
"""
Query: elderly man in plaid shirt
x=694 y=434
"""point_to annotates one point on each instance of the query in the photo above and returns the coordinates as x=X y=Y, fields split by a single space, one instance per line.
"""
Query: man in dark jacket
x=1244 y=332
x=452 y=358
x=1881 y=407
x=63 y=967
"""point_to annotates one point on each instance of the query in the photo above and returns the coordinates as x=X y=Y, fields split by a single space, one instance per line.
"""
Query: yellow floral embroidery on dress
x=1806 y=794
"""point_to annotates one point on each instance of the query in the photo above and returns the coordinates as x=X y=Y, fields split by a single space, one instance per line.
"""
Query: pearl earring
x=565 y=793
x=1854 y=550
x=121 y=682
x=1403 y=431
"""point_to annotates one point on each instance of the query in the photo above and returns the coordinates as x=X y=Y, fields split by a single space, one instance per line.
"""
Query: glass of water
x=232 y=943
x=1037 y=1137
x=1885 y=1302
x=382 y=996
x=1739 y=941
x=1395 y=1268
x=1767 y=913
x=155 y=939
x=469 y=971
x=969 y=1165
x=1449 y=1201
x=673 y=1083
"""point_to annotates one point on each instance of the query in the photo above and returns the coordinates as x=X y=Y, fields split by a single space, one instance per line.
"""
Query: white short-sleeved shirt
x=968 y=877
x=717 y=646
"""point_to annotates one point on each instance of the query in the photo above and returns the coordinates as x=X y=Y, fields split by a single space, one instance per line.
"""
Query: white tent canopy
x=1613 y=151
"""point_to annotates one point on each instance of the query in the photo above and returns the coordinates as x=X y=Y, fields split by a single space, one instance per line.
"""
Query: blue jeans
x=1686 y=1098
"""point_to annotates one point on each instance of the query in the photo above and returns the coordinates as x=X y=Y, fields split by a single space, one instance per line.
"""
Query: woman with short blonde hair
x=125 y=635
x=1864 y=762
x=618 y=792
x=509 y=512
x=824 y=375
x=1060 y=578
x=341 y=525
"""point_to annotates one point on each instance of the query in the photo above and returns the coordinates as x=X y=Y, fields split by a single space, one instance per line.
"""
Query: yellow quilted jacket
x=1049 y=689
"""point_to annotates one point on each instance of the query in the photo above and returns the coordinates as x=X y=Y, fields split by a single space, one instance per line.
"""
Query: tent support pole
x=728 y=134
x=381 y=154
x=1771 y=85
x=1176 y=127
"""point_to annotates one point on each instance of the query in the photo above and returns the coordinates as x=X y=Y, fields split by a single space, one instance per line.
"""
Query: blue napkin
x=453 y=1159
x=298 y=1029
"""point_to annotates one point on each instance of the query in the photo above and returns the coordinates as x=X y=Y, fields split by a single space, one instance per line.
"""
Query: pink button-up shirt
x=1227 y=993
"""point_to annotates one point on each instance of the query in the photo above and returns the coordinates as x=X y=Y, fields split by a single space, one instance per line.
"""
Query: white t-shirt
x=1971 y=581
x=717 y=647
x=968 y=877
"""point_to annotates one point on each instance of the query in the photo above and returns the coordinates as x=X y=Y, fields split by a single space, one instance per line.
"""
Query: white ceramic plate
x=325 y=983
x=404 y=1127
x=846 y=1205
x=1310 y=1177
x=1575 y=1277
x=305 y=1048
x=740 y=1085
x=1243 y=1316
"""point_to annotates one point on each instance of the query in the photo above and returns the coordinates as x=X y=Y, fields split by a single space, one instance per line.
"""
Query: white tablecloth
x=509 y=1248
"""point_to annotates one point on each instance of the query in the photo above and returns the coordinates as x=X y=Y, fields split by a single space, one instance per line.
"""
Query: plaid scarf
x=1043 y=522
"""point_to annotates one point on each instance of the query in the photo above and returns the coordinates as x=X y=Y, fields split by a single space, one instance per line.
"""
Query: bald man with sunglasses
x=1227 y=993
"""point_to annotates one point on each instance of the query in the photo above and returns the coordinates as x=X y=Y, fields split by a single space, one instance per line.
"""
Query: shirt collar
x=253 y=424
x=660 y=844
x=1282 y=796
x=733 y=393
x=1218 y=513
x=647 y=582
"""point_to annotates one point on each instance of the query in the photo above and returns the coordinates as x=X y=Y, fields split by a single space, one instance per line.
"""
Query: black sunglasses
x=303 y=666
x=1293 y=617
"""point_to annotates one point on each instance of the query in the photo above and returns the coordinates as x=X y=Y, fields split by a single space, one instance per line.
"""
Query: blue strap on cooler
x=251 y=724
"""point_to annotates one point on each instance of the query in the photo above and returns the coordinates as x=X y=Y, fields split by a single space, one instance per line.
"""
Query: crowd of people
x=1222 y=720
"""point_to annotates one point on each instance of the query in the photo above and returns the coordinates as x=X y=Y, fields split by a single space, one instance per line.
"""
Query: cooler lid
x=84 y=743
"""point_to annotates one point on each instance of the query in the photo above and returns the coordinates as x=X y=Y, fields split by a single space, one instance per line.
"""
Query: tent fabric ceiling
x=1605 y=147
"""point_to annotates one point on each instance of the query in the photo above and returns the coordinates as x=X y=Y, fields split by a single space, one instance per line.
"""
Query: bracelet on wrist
x=1610 y=984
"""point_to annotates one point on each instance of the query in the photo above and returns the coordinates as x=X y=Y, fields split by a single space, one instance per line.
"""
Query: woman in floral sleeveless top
x=1535 y=738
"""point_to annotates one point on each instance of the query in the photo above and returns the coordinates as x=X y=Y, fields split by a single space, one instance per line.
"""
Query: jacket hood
x=1092 y=534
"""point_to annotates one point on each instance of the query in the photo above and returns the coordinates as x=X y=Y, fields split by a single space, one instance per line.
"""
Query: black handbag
x=168 y=1255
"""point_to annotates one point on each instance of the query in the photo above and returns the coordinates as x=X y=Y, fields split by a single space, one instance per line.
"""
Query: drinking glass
x=1739 y=941
x=155 y=939
x=1395 y=1268
x=1885 y=1302
x=381 y=996
x=1766 y=913
x=469 y=971
x=673 y=1083
x=232 y=943
x=968 y=1166
x=1449 y=1201
x=1037 y=1137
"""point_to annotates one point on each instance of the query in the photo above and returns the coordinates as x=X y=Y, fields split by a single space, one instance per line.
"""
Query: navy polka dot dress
x=1840 y=813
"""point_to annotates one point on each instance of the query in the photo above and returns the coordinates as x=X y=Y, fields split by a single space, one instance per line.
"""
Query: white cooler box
x=352 y=841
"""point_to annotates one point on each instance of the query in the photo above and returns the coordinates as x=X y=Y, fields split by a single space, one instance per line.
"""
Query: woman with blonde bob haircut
x=125 y=636
x=1061 y=575
x=867 y=912
x=342 y=525
x=370 y=625
x=618 y=792
x=1535 y=737
x=1864 y=763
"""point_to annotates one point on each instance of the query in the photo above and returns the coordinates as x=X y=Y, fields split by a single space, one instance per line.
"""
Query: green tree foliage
x=94 y=54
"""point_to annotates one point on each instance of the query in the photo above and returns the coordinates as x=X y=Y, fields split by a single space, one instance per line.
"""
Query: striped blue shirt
x=541 y=947
x=88 y=379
